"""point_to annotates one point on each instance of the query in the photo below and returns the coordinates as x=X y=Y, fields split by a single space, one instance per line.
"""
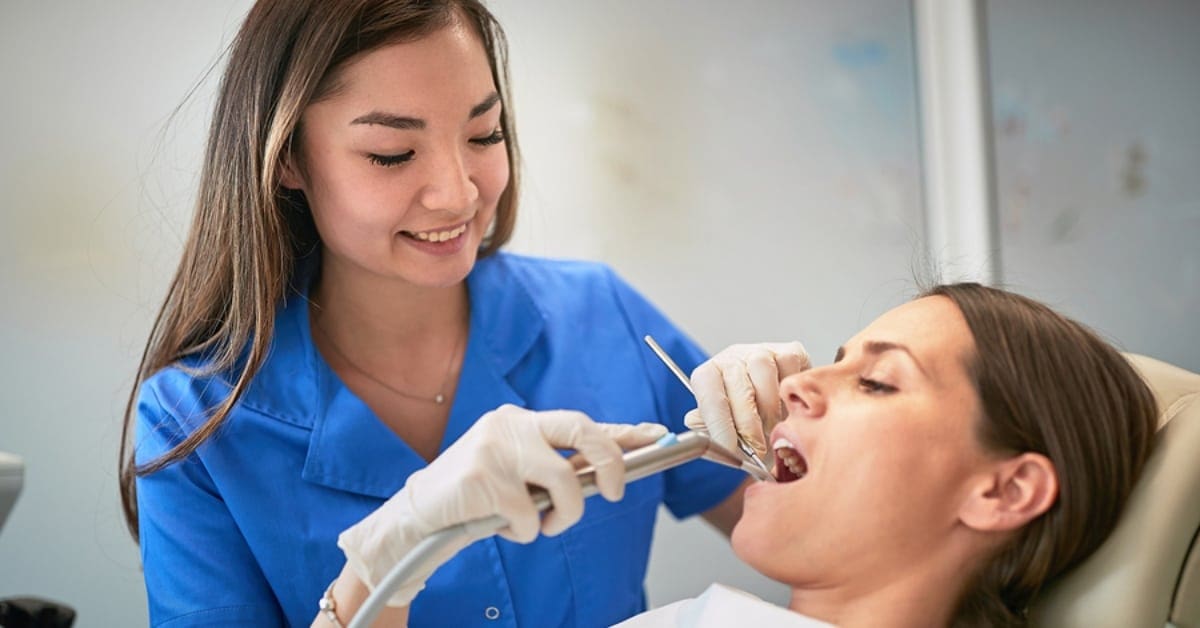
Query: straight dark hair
x=1050 y=385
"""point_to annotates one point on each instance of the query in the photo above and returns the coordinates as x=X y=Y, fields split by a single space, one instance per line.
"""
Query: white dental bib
x=718 y=607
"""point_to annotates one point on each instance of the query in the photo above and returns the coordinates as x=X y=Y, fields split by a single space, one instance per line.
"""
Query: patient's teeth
x=793 y=466
x=790 y=455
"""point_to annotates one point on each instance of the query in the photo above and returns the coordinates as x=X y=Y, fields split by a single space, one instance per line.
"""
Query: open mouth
x=436 y=235
x=790 y=464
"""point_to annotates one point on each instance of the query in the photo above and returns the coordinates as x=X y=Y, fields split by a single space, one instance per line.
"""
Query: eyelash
x=387 y=161
x=875 y=387
x=496 y=137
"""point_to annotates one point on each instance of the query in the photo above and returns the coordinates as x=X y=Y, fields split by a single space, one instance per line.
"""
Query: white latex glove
x=485 y=473
x=737 y=392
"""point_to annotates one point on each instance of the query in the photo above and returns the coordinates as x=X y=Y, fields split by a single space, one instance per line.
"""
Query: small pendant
x=439 y=398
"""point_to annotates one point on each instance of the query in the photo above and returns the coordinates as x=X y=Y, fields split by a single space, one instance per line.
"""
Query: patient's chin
x=761 y=551
x=750 y=542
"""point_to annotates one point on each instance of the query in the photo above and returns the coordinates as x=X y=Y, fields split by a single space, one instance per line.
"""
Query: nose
x=448 y=182
x=803 y=395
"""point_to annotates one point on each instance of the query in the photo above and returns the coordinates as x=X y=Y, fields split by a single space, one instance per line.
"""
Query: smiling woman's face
x=403 y=165
x=887 y=443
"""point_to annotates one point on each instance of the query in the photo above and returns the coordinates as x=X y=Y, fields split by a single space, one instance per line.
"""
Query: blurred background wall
x=752 y=167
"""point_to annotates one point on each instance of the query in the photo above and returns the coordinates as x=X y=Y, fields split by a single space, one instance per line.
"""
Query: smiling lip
x=441 y=241
x=441 y=234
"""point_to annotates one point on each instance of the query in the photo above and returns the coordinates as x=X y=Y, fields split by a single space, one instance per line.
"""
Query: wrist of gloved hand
x=487 y=472
x=376 y=544
x=737 y=392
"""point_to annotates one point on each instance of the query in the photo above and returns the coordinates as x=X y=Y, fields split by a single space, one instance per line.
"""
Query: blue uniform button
x=491 y=612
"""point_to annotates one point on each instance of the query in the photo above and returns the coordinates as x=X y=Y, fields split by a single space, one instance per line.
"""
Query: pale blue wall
x=1098 y=160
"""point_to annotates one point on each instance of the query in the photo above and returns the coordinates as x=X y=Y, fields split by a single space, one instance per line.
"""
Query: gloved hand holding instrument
x=737 y=393
x=500 y=477
x=481 y=486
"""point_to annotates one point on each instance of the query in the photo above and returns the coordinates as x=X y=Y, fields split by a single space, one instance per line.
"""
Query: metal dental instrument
x=760 y=467
x=669 y=451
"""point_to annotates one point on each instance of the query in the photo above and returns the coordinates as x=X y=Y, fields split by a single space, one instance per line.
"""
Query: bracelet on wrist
x=328 y=606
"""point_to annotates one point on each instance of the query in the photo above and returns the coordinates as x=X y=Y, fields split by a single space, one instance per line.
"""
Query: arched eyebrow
x=876 y=347
x=409 y=123
x=484 y=106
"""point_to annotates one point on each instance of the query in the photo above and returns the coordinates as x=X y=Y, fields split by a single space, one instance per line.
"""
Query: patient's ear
x=1013 y=492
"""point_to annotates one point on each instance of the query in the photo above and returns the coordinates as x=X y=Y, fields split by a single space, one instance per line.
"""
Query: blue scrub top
x=243 y=532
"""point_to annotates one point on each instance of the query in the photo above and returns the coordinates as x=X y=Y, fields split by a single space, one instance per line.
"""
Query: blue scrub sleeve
x=698 y=486
x=199 y=570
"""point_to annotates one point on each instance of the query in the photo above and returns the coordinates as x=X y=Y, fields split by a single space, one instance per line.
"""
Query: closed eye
x=496 y=137
x=388 y=161
x=874 y=386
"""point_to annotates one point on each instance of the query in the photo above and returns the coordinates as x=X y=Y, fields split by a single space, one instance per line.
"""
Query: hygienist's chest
x=591 y=575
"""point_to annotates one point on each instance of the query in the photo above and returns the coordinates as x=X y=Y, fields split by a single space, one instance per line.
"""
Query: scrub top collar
x=349 y=448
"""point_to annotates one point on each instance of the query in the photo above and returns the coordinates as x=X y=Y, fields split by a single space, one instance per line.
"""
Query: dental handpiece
x=667 y=452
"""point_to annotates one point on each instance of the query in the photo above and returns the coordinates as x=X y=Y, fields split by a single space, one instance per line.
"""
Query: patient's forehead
x=934 y=331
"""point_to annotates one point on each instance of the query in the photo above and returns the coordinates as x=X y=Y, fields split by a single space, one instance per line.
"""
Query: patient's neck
x=917 y=594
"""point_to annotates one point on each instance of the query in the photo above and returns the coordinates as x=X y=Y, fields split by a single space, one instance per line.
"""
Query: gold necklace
x=438 y=398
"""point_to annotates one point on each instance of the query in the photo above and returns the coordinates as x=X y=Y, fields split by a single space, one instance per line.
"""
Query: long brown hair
x=247 y=231
x=1050 y=385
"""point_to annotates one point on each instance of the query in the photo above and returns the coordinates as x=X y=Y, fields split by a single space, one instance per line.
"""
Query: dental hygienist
x=341 y=317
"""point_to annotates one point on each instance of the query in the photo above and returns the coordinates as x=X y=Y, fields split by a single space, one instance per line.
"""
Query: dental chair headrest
x=1148 y=572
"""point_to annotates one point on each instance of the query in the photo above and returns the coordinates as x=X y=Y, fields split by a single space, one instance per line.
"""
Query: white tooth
x=794 y=468
x=782 y=442
x=439 y=236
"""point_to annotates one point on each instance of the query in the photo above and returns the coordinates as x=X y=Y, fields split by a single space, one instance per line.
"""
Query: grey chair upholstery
x=1147 y=574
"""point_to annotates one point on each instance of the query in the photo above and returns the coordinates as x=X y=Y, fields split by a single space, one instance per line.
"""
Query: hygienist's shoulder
x=186 y=391
x=552 y=279
x=548 y=273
